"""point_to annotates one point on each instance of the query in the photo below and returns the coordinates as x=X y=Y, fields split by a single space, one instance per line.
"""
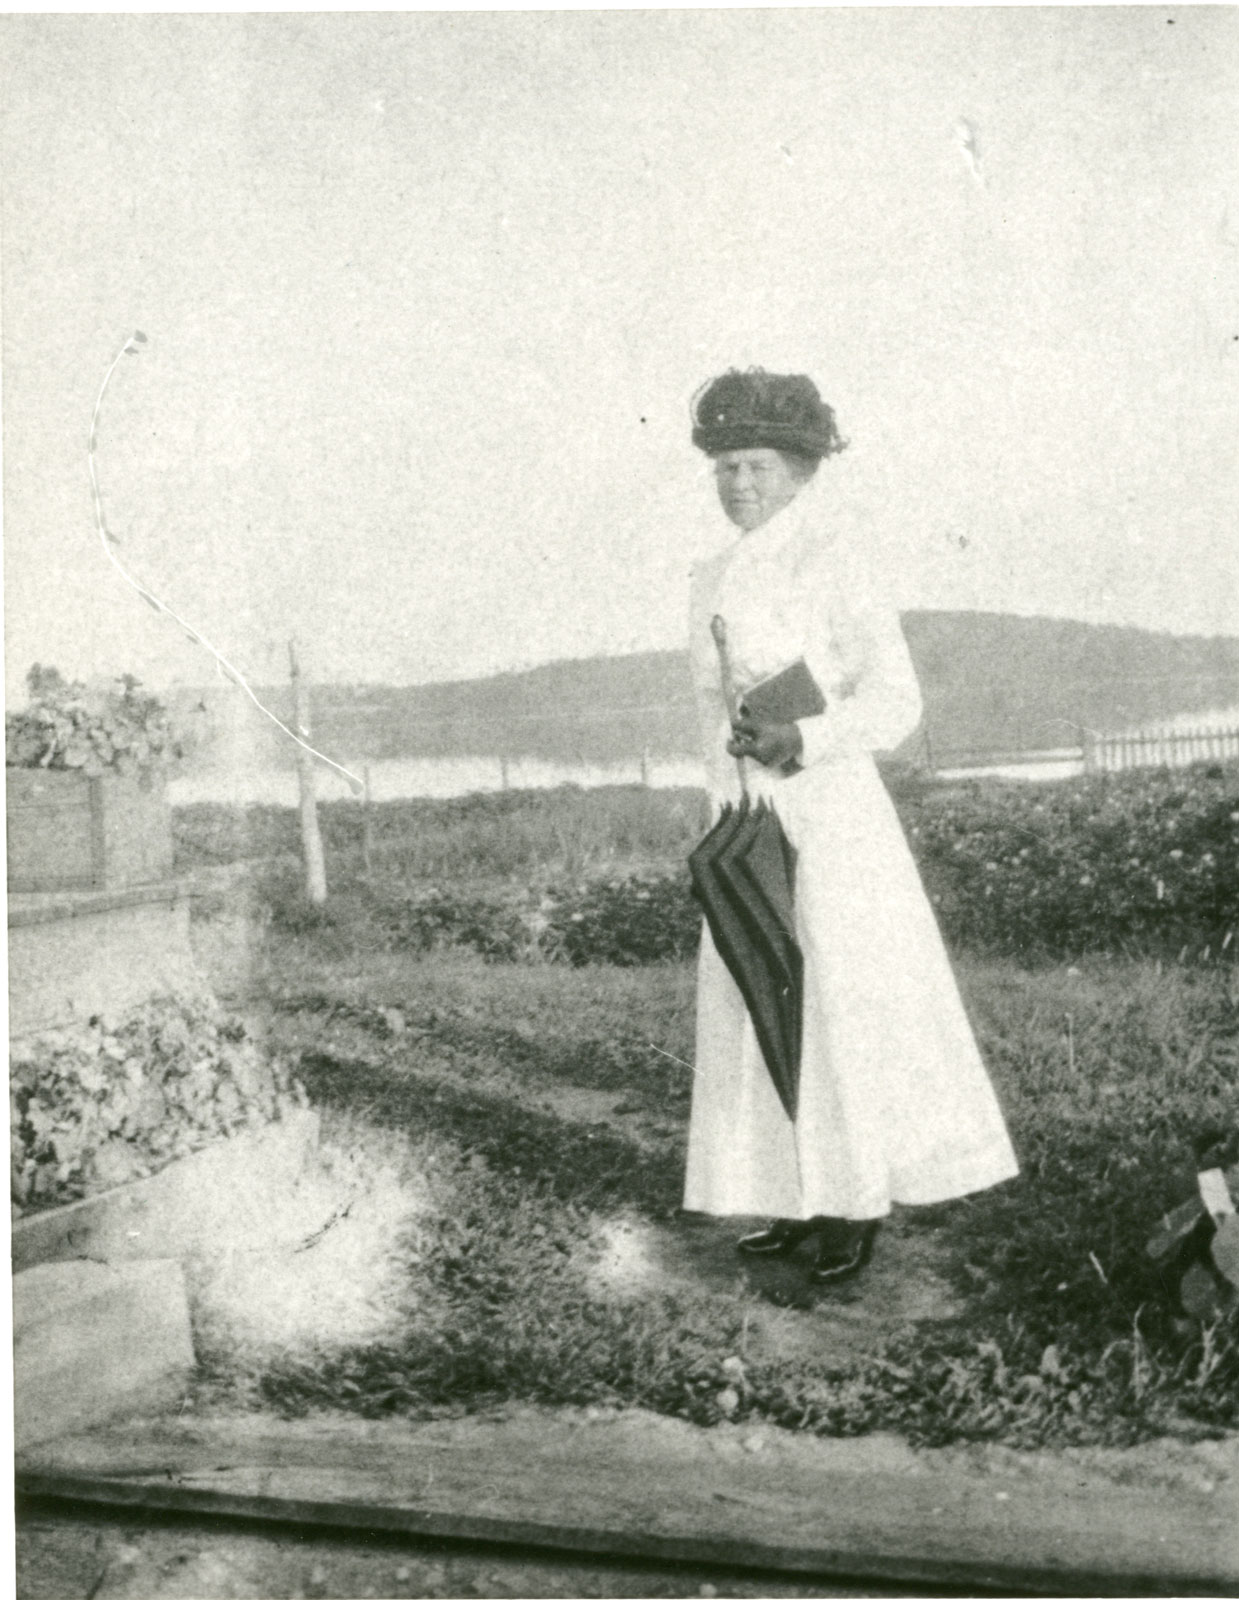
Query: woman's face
x=754 y=484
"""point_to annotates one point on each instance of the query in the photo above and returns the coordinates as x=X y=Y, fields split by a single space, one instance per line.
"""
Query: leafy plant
x=74 y=727
x=107 y=1101
x=1138 y=862
x=626 y=922
x=438 y=917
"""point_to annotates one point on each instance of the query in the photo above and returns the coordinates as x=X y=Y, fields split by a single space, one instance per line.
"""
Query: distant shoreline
x=411 y=778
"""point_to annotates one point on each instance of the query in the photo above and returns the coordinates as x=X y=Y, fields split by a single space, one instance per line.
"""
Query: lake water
x=406 y=779
x=240 y=784
x=1054 y=766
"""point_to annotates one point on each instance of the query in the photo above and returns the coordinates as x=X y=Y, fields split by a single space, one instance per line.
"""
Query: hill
x=998 y=682
x=992 y=682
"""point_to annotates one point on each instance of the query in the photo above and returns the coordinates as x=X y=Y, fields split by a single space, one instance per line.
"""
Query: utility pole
x=311 y=838
x=367 y=825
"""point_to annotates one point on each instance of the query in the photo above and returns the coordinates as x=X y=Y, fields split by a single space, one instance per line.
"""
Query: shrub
x=438 y=918
x=627 y=922
x=1138 y=862
x=67 y=726
x=106 y=1101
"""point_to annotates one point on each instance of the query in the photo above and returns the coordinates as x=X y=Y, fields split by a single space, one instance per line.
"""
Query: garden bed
x=1138 y=863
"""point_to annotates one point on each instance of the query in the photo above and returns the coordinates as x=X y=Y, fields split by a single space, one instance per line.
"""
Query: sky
x=426 y=297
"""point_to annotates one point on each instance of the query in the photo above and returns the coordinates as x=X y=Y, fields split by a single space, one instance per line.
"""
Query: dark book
x=785 y=696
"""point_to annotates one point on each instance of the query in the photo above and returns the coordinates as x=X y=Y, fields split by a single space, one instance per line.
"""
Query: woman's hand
x=774 y=744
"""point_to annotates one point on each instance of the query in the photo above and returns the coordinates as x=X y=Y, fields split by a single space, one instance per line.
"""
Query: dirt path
x=71 y=1554
x=904 y=1284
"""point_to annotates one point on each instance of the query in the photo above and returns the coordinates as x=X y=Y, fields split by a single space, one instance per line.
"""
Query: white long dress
x=895 y=1104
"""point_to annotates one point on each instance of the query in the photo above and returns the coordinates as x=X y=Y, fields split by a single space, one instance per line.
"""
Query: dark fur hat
x=758 y=409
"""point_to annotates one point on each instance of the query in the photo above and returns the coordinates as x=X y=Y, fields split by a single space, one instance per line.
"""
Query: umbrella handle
x=718 y=632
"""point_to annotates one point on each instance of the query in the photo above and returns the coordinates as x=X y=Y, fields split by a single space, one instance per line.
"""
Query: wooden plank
x=70 y=961
x=51 y=831
x=227 y=1190
x=67 y=831
x=650 y=1488
x=27 y=910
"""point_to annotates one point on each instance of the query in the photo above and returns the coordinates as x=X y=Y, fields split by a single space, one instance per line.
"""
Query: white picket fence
x=1115 y=752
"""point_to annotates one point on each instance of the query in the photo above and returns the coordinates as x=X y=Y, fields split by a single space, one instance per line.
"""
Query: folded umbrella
x=743 y=875
x=767 y=865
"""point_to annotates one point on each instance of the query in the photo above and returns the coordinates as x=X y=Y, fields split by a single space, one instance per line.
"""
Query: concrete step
x=93 y=1341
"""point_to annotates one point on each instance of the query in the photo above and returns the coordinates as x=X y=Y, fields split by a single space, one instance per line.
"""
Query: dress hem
x=984 y=1172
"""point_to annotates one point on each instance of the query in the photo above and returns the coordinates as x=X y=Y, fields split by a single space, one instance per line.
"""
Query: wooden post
x=505 y=781
x=645 y=766
x=367 y=824
x=311 y=838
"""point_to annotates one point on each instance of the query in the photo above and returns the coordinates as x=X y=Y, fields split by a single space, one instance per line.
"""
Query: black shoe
x=779 y=1239
x=843 y=1250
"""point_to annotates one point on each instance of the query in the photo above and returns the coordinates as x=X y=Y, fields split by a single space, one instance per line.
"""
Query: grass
x=1066 y=1334
x=537 y=835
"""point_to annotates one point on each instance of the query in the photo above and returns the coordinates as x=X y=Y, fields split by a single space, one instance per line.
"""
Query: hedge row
x=1139 y=862
x=1134 y=863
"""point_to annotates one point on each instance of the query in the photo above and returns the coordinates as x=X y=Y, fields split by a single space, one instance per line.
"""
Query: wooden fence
x=1115 y=752
x=1097 y=752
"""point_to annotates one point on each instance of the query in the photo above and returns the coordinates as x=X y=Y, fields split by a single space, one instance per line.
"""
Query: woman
x=894 y=1102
